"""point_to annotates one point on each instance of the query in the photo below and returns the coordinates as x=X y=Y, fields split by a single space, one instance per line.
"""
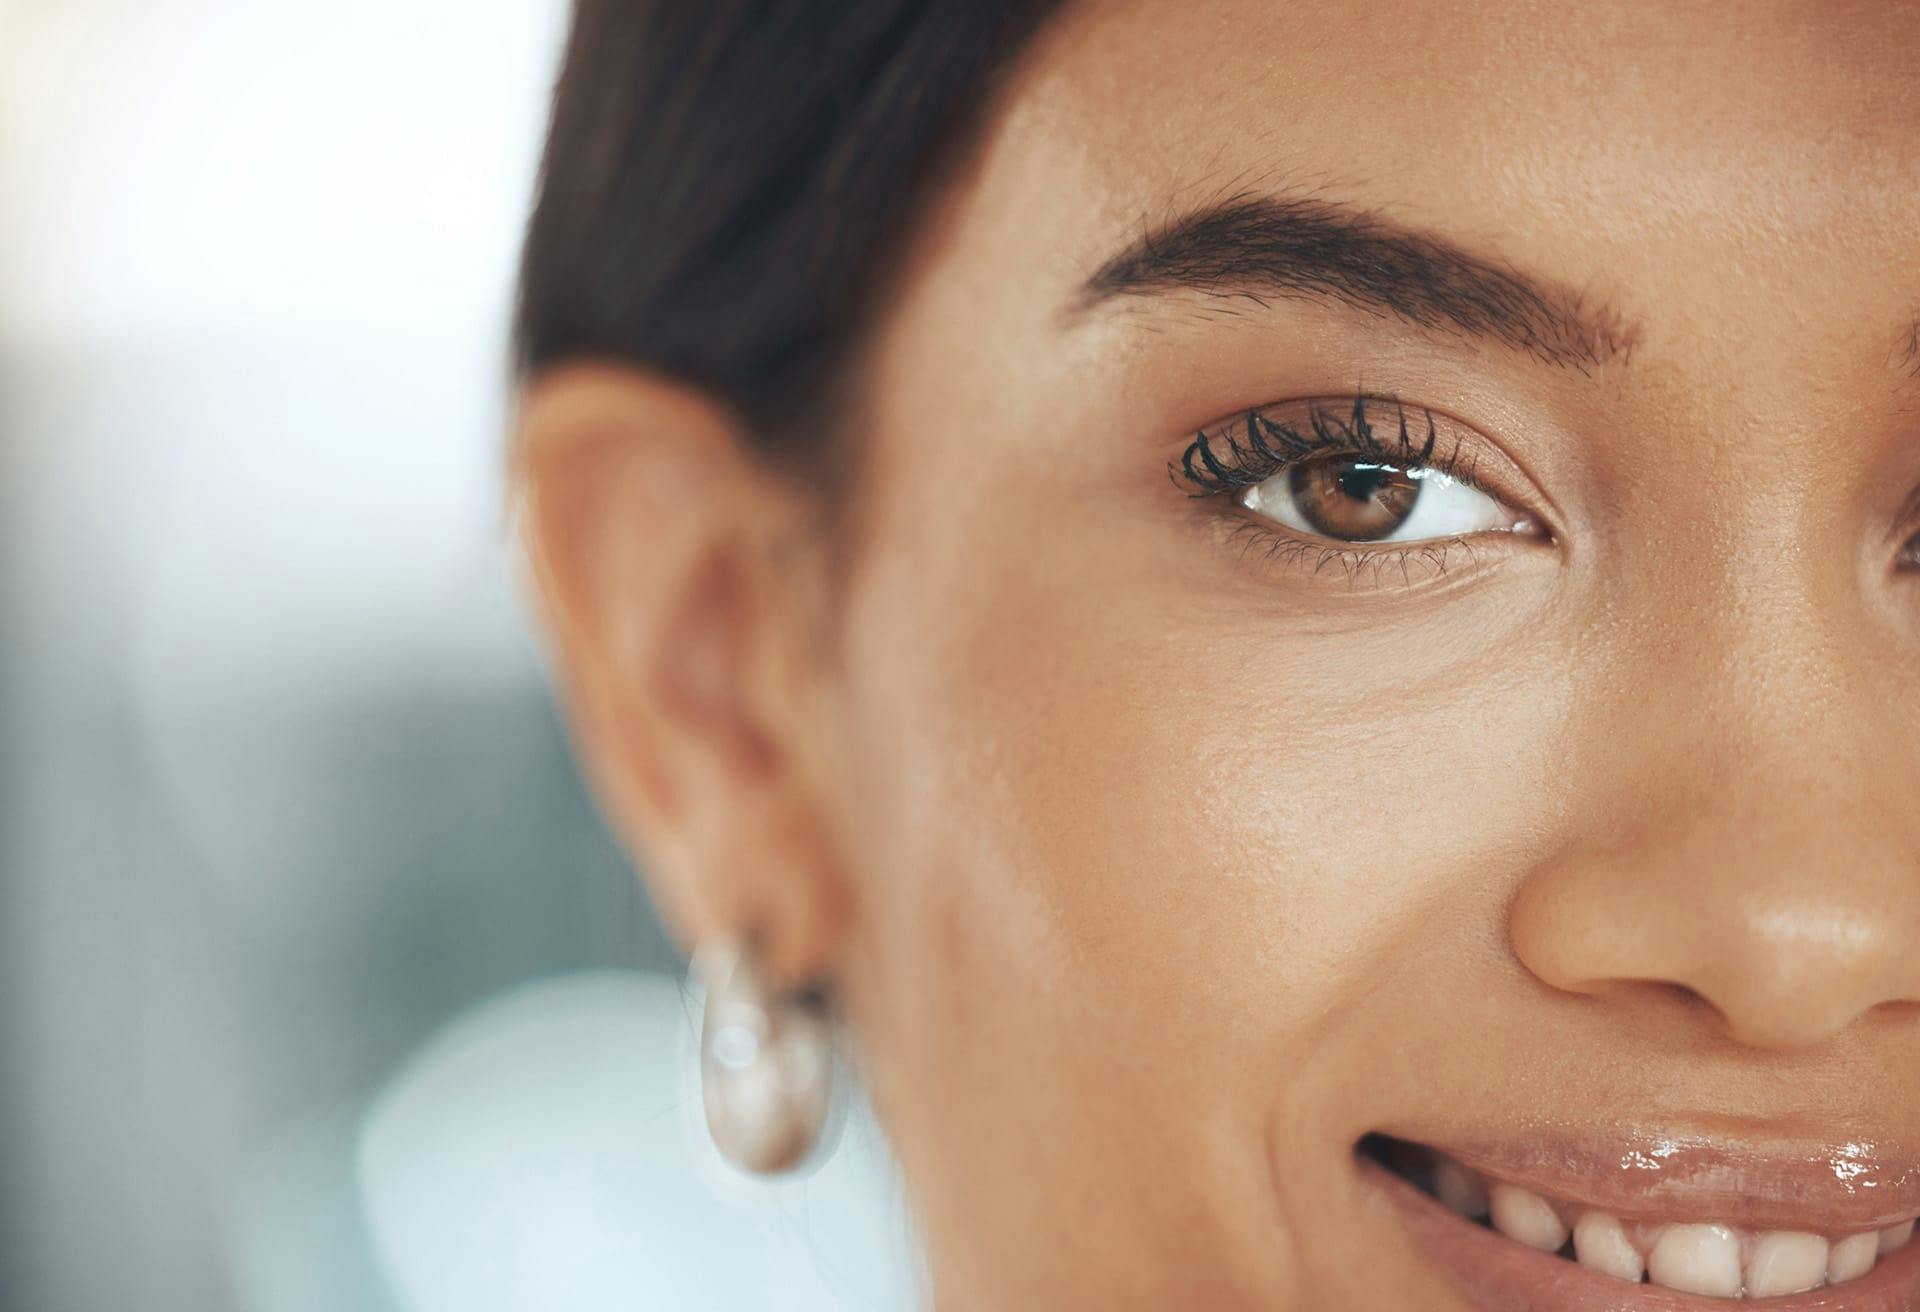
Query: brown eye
x=1344 y=498
x=1351 y=500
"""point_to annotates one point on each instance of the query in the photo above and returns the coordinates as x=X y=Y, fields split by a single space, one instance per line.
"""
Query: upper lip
x=1667 y=1174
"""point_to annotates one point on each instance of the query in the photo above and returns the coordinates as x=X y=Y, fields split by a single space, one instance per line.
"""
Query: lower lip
x=1495 y=1274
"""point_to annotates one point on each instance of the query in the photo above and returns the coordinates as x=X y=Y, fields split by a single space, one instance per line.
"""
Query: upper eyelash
x=1264 y=447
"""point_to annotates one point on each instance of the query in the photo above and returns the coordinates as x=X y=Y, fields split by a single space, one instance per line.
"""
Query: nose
x=1758 y=852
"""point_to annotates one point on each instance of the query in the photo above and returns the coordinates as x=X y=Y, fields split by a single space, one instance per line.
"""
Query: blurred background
x=321 y=984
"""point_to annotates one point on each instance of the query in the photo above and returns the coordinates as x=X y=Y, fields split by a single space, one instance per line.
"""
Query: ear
x=681 y=640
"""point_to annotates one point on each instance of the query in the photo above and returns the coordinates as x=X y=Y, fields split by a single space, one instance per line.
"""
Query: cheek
x=1124 y=828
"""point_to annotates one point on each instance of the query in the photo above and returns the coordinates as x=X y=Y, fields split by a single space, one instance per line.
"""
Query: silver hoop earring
x=766 y=1062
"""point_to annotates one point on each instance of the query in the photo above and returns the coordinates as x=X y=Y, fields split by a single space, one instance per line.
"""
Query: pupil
x=1361 y=484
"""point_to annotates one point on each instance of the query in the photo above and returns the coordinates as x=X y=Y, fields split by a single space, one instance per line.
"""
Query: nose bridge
x=1745 y=834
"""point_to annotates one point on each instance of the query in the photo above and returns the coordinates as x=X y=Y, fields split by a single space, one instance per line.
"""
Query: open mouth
x=1659 y=1224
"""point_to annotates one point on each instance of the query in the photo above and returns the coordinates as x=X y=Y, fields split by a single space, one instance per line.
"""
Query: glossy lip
x=1495 y=1274
x=1832 y=1189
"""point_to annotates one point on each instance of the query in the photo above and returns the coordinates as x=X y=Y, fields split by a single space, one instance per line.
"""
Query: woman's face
x=1572 y=832
x=1522 y=768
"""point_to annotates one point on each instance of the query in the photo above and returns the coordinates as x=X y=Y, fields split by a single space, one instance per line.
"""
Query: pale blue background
x=282 y=795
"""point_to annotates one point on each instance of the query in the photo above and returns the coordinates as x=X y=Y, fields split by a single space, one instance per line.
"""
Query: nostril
x=1685 y=994
x=1682 y=998
x=1760 y=1017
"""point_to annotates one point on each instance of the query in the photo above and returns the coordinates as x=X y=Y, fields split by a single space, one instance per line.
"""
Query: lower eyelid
x=1260 y=544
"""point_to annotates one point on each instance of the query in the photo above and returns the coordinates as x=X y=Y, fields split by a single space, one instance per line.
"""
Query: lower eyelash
x=1277 y=547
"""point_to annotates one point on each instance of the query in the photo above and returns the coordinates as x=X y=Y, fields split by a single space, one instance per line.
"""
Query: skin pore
x=1157 y=853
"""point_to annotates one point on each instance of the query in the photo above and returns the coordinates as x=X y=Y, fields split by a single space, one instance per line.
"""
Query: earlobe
x=676 y=633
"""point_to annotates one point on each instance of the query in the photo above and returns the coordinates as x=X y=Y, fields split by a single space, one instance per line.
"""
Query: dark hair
x=727 y=181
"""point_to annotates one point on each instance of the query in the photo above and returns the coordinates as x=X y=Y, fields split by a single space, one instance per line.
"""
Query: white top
x=544 y=1154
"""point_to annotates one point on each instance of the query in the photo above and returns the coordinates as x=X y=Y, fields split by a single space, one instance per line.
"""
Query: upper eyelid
x=1249 y=460
x=1461 y=450
x=1426 y=440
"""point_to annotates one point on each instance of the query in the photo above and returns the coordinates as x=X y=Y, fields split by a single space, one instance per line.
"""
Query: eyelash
x=1264 y=447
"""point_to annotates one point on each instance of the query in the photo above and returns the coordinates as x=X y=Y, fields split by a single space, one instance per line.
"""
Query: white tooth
x=1600 y=1242
x=1895 y=1236
x=1527 y=1218
x=1785 y=1262
x=1853 y=1257
x=1460 y=1189
x=1697 y=1259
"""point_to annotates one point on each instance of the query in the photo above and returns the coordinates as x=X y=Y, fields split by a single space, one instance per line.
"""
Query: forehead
x=1690 y=159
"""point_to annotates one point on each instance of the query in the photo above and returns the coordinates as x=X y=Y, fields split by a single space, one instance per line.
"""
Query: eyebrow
x=1261 y=246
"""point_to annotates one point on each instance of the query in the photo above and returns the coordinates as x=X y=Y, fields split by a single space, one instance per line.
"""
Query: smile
x=1657 y=1224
